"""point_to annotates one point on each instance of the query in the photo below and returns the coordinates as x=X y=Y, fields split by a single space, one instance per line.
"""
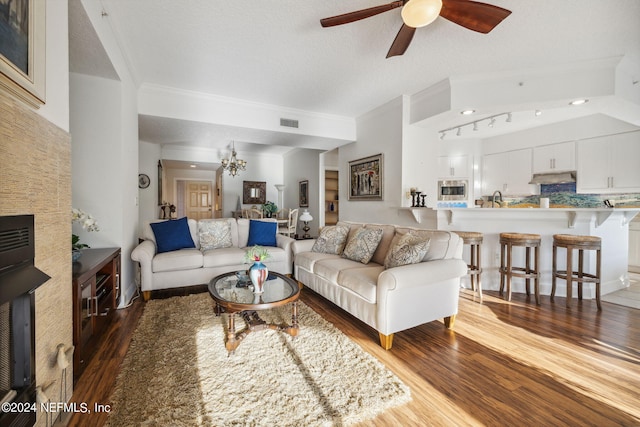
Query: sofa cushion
x=262 y=233
x=214 y=234
x=307 y=260
x=440 y=246
x=223 y=256
x=388 y=232
x=363 y=281
x=363 y=244
x=331 y=240
x=182 y=259
x=406 y=249
x=331 y=268
x=172 y=235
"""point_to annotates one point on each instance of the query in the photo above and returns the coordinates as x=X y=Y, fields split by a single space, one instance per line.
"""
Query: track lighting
x=491 y=123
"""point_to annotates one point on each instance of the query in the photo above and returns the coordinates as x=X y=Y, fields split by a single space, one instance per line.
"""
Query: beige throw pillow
x=363 y=244
x=214 y=234
x=331 y=240
x=406 y=249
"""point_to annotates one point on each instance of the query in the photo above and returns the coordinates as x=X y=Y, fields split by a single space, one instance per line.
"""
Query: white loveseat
x=193 y=266
x=392 y=299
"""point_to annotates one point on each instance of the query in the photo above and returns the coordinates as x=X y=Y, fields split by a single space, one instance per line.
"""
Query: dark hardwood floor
x=504 y=364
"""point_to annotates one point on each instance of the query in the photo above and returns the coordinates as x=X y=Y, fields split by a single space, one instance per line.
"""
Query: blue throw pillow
x=172 y=235
x=262 y=233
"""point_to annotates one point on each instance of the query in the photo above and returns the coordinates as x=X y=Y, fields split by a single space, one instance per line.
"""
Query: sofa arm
x=414 y=275
x=304 y=245
x=144 y=253
x=284 y=242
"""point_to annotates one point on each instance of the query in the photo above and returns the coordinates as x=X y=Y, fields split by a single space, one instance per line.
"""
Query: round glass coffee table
x=234 y=295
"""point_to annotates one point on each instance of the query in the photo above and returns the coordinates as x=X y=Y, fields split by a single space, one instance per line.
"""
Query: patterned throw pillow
x=406 y=249
x=363 y=244
x=214 y=234
x=331 y=240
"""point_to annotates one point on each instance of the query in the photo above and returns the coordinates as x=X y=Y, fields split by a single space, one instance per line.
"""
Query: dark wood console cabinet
x=96 y=283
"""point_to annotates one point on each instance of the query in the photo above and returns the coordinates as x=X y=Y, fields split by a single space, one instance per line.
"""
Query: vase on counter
x=258 y=274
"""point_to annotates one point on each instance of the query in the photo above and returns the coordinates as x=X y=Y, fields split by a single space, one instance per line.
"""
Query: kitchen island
x=610 y=224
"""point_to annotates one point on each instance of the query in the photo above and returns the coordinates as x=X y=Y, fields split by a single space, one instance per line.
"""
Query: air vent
x=14 y=239
x=290 y=123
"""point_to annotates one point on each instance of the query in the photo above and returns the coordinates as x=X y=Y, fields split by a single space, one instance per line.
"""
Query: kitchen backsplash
x=565 y=196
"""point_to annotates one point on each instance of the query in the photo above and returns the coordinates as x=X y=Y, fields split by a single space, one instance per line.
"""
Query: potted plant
x=269 y=209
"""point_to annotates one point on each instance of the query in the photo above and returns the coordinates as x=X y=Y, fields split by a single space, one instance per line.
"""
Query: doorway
x=194 y=199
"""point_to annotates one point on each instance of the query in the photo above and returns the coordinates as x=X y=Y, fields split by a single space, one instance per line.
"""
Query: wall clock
x=143 y=180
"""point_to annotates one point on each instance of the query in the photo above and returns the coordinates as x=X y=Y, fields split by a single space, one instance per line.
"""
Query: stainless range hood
x=553 y=178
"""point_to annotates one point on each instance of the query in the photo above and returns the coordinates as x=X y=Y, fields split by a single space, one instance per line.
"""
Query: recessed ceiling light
x=192 y=166
x=538 y=113
x=467 y=112
x=579 y=102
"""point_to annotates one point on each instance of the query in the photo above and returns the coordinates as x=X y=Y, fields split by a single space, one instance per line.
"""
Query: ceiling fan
x=476 y=16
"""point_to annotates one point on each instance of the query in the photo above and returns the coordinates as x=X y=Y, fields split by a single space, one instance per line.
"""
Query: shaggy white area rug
x=177 y=372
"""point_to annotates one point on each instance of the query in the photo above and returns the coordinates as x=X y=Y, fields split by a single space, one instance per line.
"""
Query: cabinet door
x=593 y=166
x=518 y=172
x=453 y=166
x=625 y=162
x=494 y=173
x=508 y=172
x=634 y=245
x=554 y=157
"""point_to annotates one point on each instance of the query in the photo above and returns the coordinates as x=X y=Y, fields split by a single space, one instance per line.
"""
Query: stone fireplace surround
x=35 y=165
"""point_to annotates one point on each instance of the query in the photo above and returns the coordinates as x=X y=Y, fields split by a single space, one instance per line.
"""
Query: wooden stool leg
x=536 y=280
x=509 y=266
x=580 y=272
x=554 y=271
x=502 y=267
x=471 y=267
x=569 y=274
x=479 y=283
x=598 y=260
x=527 y=270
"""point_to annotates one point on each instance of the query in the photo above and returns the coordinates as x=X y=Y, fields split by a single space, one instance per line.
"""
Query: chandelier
x=233 y=164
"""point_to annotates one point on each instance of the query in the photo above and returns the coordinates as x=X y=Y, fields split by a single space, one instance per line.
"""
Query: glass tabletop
x=228 y=288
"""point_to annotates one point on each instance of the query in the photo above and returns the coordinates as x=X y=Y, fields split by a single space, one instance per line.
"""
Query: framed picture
x=303 y=195
x=22 y=50
x=365 y=178
x=254 y=192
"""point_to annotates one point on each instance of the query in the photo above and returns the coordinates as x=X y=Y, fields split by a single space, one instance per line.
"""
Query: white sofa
x=389 y=300
x=187 y=267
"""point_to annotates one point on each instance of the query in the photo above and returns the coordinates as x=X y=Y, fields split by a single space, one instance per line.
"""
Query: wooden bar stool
x=474 y=240
x=581 y=243
x=507 y=270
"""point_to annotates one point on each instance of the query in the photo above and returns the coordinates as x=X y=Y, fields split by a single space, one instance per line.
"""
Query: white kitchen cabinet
x=554 y=157
x=634 y=245
x=453 y=167
x=609 y=164
x=508 y=172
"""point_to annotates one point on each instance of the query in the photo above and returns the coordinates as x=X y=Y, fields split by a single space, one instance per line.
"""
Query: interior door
x=199 y=200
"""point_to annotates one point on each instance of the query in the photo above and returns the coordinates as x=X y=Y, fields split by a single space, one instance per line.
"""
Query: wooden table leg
x=231 y=343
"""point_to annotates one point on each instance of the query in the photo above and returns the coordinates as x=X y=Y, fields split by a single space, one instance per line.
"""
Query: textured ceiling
x=276 y=52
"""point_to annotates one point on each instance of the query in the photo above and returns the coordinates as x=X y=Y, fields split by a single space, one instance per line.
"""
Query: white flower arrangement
x=88 y=223
x=256 y=254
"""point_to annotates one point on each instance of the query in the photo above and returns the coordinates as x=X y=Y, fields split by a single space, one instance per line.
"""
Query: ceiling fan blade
x=402 y=41
x=476 y=16
x=359 y=14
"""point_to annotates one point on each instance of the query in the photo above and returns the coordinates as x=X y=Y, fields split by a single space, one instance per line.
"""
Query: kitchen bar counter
x=610 y=224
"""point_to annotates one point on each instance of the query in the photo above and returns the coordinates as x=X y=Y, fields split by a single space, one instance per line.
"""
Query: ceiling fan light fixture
x=420 y=13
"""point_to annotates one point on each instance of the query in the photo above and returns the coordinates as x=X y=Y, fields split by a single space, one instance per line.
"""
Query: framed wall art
x=22 y=50
x=303 y=194
x=365 y=178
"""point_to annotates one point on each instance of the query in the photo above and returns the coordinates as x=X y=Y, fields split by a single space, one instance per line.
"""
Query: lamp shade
x=306 y=216
x=419 y=13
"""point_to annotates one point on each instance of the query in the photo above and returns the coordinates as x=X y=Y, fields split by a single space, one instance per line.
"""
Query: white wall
x=300 y=165
x=104 y=121
x=148 y=157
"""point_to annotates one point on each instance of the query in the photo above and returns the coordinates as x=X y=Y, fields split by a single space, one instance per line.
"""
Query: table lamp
x=305 y=218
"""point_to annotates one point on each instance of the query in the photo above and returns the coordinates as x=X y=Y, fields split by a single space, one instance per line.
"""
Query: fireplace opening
x=19 y=279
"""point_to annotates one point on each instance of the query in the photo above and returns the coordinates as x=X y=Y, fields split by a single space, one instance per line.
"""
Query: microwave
x=452 y=190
